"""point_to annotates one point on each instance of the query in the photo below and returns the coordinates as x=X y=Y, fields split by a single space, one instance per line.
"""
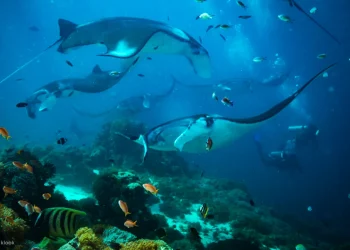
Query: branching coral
x=12 y=228
x=89 y=241
x=146 y=245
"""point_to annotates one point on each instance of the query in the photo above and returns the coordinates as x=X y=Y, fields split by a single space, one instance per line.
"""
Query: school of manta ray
x=132 y=40
x=136 y=39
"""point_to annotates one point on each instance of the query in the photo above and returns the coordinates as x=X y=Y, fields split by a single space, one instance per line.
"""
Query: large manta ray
x=130 y=106
x=127 y=38
x=189 y=134
x=241 y=86
x=44 y=98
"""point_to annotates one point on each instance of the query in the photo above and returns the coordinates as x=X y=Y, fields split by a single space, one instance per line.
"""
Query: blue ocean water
x=288 y=47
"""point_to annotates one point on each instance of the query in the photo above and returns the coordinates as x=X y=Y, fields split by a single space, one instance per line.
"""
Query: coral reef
x=89 y=241
x=115 y=235
x=12 y=227
x=144 y=244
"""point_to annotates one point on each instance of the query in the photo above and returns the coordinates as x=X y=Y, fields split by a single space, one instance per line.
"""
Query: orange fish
x=46 y=196
x=9 y=219
x=28 y=167
x=130 y=223
x=150 y=188
x=37 y=209
x=209 y=144
x=5 y=133
x=22 y=203
x=124 y=207
x=8 y=190
x=18 y=165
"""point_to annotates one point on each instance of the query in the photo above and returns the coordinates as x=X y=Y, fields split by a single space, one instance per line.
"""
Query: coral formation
x=144 y=244
x=89 y=241
x=115 y=235
x=12 y=227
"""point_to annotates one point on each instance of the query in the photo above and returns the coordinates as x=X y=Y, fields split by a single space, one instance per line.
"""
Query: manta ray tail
x=313 y=20
x=66 y=28
x=280 y=106
x=140 y=140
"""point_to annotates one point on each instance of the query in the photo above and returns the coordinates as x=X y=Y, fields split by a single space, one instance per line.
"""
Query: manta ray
x=132 y=105
x=44 y=98
x=190 y=134
x=127 y=38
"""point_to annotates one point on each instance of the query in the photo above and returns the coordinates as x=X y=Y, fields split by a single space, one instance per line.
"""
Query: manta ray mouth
x=200 y=128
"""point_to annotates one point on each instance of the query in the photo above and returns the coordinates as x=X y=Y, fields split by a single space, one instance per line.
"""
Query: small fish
x=27 y=167
x=241 y=4
x=46 y=196
x=37 y=209
x=124 y=207
x=161 y=233
x=209 y=144
x=224 y=87
x=8 y=190
x=149 y=58
x=141 y=75
x=321 y=56
x=69 y=63
x=21 y=151
x=227 y=102
x=34 y=28
x=259 y=59
x=62 y=141
x=214 y=96
x=200 y=1
x=202 y=174
x=209 y=28
x=204 y=16
x=223 y=26
x=19 y=79
x=111 y=161
x=325 y=75
x=18 y=165
x=5 y=134
x=156 y=47
x=195 y=233
x=203 y=210
x=285 y=18
x=200 y=39
x=224 y=38
x=29 y=209
x=21 y=105
x=244 y=17
x=150 y=188
x=130 y=223
x=252 y=203
x=309 y=208
x=313 y=10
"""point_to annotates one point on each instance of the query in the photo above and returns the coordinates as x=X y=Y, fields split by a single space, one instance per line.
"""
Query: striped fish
x=59 y=221
x=204 y=210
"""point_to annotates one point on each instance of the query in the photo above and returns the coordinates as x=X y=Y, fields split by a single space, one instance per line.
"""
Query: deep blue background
x=324 y=185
